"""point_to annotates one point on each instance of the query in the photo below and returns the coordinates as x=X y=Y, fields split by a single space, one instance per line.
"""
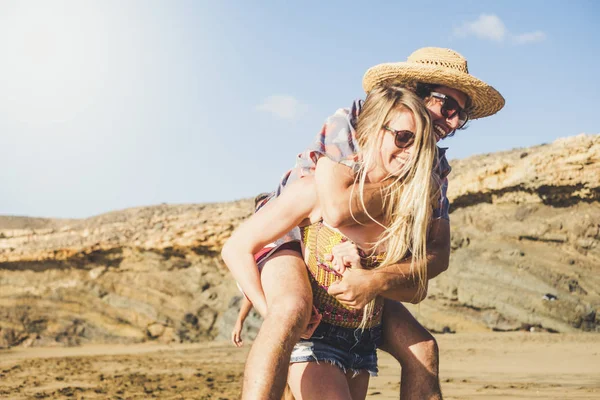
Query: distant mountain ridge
x=525 y=242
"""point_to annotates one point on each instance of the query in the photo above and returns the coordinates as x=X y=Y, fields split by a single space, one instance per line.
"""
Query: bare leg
x=289 y=304
x=287 y=394
x=310 y=381
x=358 y=384
x=416 y=350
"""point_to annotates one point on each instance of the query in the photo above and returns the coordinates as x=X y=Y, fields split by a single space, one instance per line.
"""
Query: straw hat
x=439 y=66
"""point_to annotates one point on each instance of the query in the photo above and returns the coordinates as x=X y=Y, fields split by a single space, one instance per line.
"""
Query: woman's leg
x=358 y=384
x=309 y=381
x=289 y=304
x=416 y=350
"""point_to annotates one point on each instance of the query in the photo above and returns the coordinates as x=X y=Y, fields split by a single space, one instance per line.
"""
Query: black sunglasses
x=402 y=139
x=450 y=108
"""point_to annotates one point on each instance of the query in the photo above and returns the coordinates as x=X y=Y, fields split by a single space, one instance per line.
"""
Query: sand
x=473 y=366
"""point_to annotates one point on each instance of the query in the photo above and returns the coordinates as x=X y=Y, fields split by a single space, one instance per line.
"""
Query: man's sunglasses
x=450 y=108
x=402 y=139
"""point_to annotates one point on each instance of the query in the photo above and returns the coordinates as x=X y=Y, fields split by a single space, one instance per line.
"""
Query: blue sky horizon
x=107 y=105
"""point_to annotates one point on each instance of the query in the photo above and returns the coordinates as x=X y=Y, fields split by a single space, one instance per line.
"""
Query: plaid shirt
x=337 y=141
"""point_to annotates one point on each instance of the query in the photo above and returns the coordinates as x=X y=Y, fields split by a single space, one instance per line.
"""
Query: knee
x=292 y=313
x=427 y=349
x=424 y=354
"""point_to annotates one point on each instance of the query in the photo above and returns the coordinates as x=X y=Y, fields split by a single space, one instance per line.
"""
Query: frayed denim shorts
x=347 y=348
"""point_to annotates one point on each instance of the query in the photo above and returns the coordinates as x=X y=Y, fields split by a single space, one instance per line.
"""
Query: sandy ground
x=473 y=366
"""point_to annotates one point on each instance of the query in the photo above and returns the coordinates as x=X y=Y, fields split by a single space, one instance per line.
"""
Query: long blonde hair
x=408 y=200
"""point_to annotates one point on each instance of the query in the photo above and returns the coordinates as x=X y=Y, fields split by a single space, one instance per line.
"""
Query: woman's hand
x=315 y=320
x=236 y=334
x=344 y=255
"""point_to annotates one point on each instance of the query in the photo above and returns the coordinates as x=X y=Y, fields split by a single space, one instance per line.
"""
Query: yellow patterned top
x=319 y=240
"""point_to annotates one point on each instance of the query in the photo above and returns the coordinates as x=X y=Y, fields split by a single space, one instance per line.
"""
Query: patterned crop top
x=318 y=240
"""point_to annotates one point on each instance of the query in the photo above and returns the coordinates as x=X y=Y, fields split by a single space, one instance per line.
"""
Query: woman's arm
x=245 y=309
x=236 y=333
x=337 y=193
x=296 y=203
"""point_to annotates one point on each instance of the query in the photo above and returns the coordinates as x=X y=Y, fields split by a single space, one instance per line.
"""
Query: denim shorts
x=347 y=348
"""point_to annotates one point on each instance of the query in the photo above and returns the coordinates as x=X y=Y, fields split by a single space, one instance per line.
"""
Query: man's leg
x=416 y=350
x=289 y=304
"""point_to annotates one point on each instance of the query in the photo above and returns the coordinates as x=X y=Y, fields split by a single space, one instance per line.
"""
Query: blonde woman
x=398 y=151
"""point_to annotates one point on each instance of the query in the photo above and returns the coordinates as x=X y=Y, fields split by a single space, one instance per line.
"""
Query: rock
x=154 y=273
x=497 y=199
x=7 y=338
x=96 y=272
x=168 y=336
x=155 y=330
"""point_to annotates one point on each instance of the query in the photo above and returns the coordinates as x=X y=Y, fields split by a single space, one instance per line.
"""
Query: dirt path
x=473 y=366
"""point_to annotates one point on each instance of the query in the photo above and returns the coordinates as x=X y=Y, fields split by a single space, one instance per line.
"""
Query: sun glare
x=53 y=61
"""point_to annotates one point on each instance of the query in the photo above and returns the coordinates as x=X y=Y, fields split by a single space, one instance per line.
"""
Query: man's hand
x=358 y=286
x=354 y=290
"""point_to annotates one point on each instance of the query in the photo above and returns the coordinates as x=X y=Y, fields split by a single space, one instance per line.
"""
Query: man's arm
x=338 y=195
x=357 y=286
x=395 y=281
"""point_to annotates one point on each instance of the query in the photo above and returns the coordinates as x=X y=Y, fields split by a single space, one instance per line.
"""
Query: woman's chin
x=396 y=166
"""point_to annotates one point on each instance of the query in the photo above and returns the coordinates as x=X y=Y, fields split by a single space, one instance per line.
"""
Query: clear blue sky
x=106 y=105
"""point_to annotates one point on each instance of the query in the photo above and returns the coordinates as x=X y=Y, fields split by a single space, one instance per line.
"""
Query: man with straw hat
x=452 y=96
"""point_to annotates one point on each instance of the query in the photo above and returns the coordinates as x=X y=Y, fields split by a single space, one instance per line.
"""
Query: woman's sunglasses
x=402 y=139
x=450 y=108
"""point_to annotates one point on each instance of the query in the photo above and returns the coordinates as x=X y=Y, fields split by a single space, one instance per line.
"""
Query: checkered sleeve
x=442 y=211
x=336 y=140
x=443 y=208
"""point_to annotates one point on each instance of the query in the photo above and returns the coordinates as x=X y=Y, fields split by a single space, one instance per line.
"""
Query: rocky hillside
x=525 y=241
x=151 y=273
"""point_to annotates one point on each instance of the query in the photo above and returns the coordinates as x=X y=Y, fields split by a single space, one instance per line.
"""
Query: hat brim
x=485 y=100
